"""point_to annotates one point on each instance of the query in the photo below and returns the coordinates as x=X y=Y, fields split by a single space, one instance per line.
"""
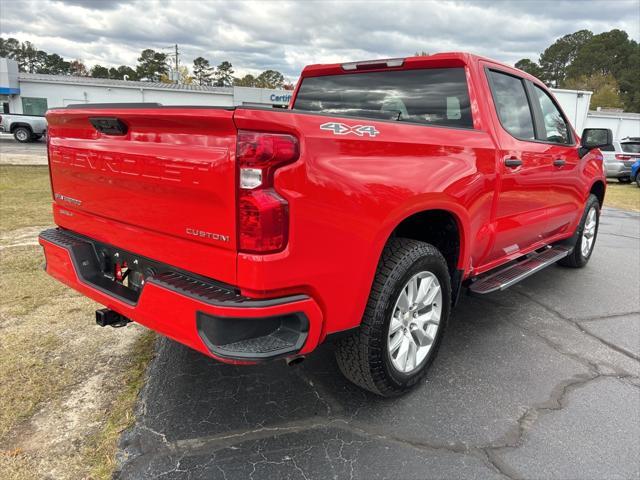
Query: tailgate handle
x=109 y=125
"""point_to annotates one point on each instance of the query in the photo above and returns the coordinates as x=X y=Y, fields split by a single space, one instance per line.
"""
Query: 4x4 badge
x=342 y=129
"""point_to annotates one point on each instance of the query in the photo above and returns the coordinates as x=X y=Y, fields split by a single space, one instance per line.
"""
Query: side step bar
x=512 y=274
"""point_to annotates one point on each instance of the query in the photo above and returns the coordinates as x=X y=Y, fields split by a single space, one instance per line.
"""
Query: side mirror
x=595 y=138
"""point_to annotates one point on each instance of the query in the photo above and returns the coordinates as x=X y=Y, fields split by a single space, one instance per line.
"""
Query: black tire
x=576 y=259
x=624 y=179
x=23 y=134
x=363 y=357
x=638 y=180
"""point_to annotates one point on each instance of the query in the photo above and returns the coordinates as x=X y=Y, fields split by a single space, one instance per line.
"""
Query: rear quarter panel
x=348 y=193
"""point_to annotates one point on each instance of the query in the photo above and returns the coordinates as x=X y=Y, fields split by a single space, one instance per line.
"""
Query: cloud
x=287 y=35
x=94 y=4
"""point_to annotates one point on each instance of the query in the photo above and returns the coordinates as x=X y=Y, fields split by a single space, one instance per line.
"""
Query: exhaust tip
x=292 y=361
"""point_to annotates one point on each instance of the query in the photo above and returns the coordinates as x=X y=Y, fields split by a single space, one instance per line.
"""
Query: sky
x=285 y=36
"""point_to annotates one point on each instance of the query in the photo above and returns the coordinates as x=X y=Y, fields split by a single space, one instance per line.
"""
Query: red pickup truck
x=359 y=213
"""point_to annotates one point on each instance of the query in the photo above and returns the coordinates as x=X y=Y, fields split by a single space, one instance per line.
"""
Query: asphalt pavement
x=15 y=153
x=540 y=381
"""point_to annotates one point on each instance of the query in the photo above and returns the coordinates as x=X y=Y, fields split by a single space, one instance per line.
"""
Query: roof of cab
x=438 y=60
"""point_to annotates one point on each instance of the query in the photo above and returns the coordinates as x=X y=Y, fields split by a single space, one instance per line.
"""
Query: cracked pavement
x=539 y=381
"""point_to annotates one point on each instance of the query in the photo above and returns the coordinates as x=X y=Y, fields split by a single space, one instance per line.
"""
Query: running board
x=512 y=274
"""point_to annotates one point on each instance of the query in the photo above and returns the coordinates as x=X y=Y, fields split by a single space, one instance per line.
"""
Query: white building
x=575 y=104
x=34 y=93
x=622 y=124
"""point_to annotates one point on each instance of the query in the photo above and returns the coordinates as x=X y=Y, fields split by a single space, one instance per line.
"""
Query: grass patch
x=623 y=196
x=67 y=387
x=31 y=370
x=22 y=374
x=101 y=451
x=25 y=197
x=23 y=282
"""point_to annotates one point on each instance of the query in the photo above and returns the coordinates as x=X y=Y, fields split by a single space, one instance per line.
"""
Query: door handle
x=559 y=162
x=512 y=162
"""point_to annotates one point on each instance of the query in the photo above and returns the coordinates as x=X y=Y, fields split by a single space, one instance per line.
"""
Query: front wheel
x=624 y=179
x=585 y=236
x=404 y=320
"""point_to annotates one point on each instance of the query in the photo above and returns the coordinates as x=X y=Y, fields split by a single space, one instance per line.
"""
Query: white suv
x=619 y=157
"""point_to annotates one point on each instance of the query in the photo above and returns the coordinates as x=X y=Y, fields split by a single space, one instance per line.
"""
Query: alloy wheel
x=589 y=231
x=415 y=321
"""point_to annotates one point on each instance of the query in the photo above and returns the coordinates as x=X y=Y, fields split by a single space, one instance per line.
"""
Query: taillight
x=263 y=218
x=623 y=157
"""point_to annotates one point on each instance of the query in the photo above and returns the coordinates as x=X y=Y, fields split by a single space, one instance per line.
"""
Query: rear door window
x=437 y=96
x=512 y=105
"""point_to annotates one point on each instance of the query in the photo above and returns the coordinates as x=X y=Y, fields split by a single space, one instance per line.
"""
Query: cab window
x=510 y=99
x=556 y=129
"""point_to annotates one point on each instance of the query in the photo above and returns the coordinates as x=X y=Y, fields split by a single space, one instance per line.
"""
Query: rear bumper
x=204 y=315
x=617 y=170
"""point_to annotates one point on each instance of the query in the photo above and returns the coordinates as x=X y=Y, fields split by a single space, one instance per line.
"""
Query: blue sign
x=280 y=98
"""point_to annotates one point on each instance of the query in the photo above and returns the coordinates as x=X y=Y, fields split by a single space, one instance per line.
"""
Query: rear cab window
x=437 y=96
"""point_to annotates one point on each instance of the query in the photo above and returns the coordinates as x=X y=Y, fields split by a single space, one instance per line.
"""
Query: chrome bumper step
x=516 y=272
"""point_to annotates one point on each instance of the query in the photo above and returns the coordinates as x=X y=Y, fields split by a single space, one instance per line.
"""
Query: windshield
x=428 y=96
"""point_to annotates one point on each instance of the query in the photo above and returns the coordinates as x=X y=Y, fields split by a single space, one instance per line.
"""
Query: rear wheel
x=624 y=179
x=22 y=134
x=404 y=320
x=638 y=180
x=586 y=235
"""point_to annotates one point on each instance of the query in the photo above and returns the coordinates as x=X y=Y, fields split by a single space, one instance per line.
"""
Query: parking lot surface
x=15 y=153
x=539 y=381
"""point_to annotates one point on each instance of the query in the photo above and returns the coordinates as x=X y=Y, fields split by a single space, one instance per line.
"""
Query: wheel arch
x=445 y=225
x=440 y=227
x=14 y=126
x=598 y=189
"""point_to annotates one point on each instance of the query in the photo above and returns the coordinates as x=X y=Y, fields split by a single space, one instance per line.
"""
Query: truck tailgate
x=159 y=180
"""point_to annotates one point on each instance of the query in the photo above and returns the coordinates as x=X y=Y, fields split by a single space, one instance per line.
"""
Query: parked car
x=619 y=156
x=25 y=128
x=635 y=172
x=359 y=214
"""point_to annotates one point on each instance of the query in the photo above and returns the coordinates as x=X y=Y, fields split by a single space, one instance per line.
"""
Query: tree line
x=608 y=64
x=152 y=66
